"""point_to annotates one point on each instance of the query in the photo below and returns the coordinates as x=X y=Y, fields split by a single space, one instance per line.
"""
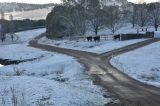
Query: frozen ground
x=142 y=64
x=26 y=36
x=51 y=80
x=19 y=52
x=54 y=79
x=96 y=47
x=22 y=38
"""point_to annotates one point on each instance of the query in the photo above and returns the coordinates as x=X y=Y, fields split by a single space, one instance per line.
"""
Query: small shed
x=157 y=34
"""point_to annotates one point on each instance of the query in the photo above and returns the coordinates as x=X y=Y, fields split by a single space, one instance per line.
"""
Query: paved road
x=130 y=92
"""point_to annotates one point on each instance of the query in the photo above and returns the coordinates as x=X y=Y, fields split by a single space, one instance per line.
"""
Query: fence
x=102 y=37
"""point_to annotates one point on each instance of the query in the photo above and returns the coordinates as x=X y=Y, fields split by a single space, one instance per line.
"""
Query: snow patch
x=19 y=52
x=142 y=64
x=23 y=37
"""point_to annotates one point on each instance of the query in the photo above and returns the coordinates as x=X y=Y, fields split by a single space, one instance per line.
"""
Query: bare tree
x=97 y=20
x=96 y=15
x=154 y=10
x=112 y=17
x=78 y=19
x=133 y=17
x=142 y=15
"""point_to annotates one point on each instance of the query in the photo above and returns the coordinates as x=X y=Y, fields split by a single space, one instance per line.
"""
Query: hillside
x=114 y=2
x=11 y=7
x=22 y=11
x=31 y=14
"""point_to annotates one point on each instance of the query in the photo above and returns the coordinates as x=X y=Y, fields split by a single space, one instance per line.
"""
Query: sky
x=58 y=1
x=33 y=1
x=140 y=1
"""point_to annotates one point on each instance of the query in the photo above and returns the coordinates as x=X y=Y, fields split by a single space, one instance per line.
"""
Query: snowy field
x=84 y=45
x=54 y=80
x=22 y=38
x=19 y=52
x=37 y=14
x=142 y=64
x=26 y=36
x=51 y=80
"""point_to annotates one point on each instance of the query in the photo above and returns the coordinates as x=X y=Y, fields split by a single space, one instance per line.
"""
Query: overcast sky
x=33 y=1
x=57 y=1
x=139 y=1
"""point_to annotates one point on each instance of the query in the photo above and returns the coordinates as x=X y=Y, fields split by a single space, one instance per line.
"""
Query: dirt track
x=130 y=92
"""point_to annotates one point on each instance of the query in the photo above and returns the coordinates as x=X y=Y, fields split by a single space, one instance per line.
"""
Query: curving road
x=130 y=92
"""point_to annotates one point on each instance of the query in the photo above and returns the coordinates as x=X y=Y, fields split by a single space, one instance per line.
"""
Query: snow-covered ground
x=142 y=64
x=23 y=38
x=19 y=52
x=96 y=47
x=26 y=36
x=53 y=79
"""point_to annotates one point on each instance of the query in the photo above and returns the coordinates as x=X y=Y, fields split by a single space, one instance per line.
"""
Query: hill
x=12 y=7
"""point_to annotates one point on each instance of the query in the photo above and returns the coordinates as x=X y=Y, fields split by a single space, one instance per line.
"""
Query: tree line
x=75 y=17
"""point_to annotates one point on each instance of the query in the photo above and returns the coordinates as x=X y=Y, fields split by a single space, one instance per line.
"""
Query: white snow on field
x=47 y=92
x=19 y=52
x=26 y=36
x=142 y=64
x=52 y=80
x=55 y=79
x=22 y=38
x=95 y=47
